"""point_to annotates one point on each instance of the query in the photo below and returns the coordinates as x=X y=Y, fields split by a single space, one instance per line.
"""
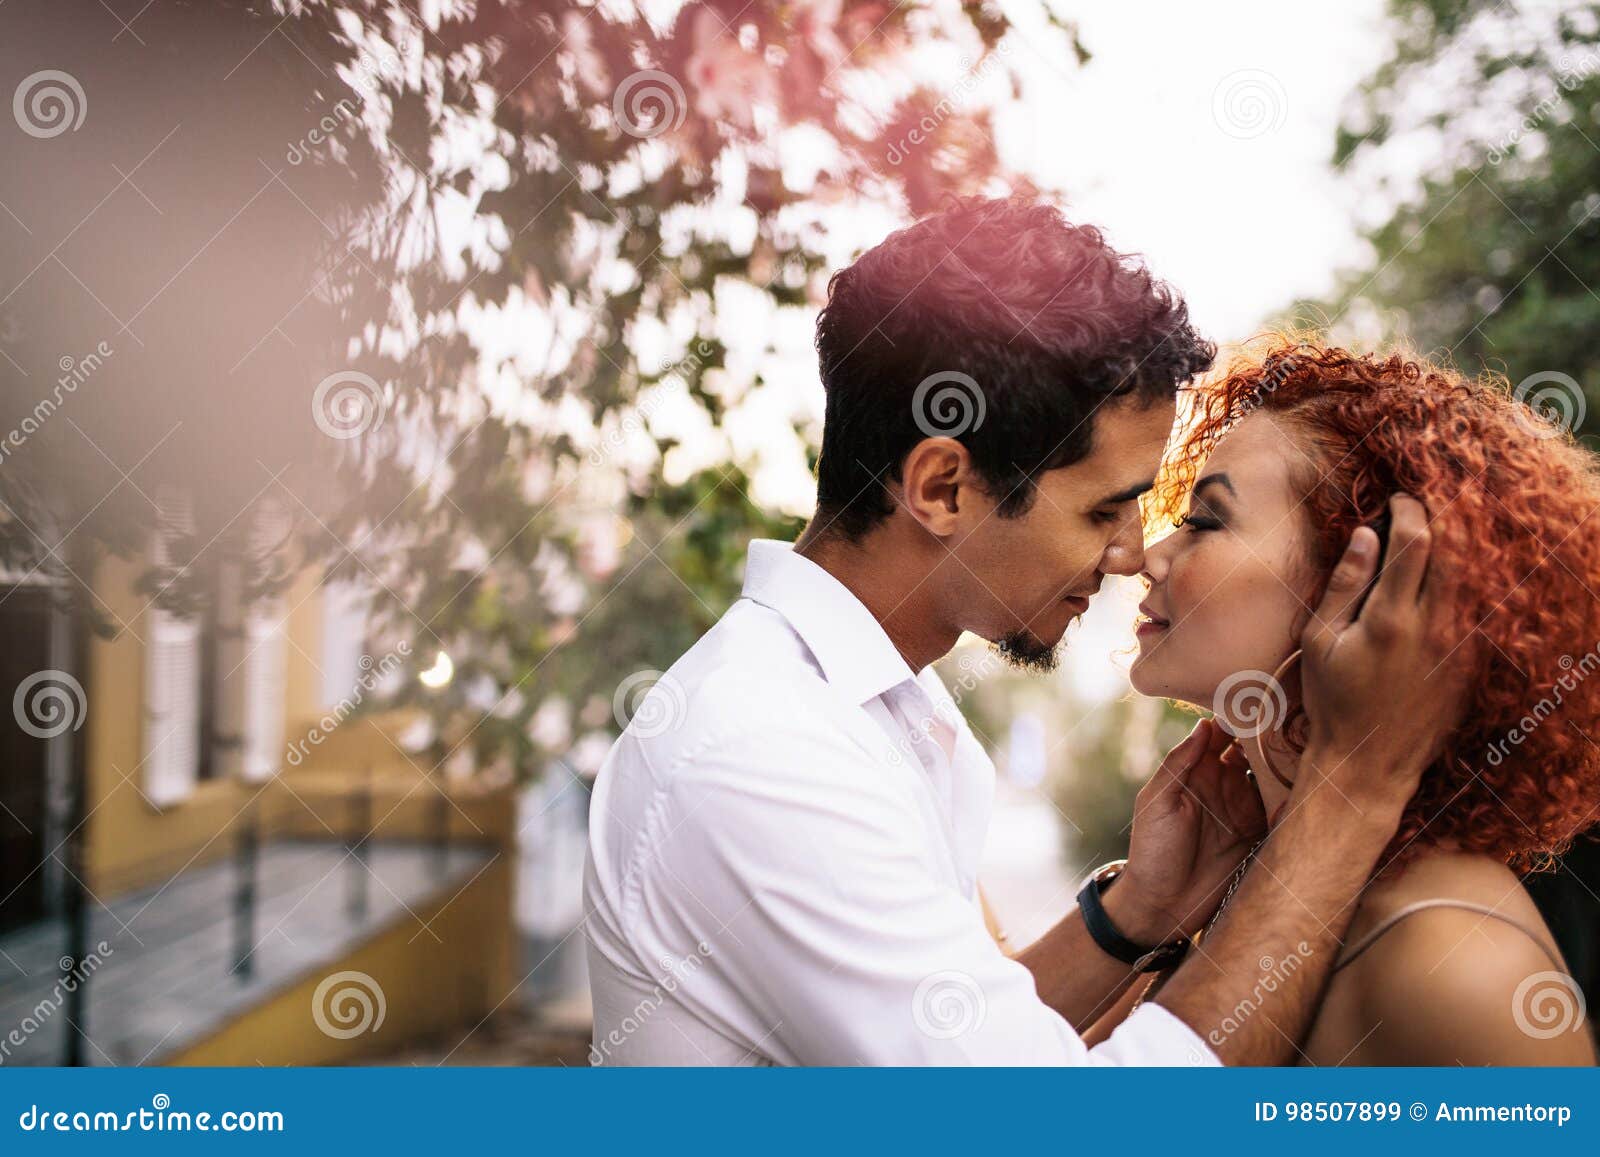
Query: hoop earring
x=1260 y=748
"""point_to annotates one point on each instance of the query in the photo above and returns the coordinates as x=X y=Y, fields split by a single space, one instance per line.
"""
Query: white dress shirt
x=783 y=860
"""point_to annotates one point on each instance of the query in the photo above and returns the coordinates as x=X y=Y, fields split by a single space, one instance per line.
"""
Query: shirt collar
x=849 y=644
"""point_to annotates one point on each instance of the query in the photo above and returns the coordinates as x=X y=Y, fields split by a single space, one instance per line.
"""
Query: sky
x=1200 y=135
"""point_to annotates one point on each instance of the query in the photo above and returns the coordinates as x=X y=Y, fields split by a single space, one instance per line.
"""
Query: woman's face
x=1228 y=588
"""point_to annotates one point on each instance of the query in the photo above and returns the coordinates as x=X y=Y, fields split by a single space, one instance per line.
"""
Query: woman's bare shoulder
x=1443 y=875
x=1453 y=985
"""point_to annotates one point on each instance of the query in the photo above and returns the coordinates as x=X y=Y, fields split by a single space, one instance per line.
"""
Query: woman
x=1287 y=452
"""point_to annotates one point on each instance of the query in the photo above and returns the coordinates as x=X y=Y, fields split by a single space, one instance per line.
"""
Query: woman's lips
x=1150 y=624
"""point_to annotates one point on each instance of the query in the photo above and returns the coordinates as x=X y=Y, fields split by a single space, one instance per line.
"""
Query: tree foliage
x=1476 y=141
x=426 y=276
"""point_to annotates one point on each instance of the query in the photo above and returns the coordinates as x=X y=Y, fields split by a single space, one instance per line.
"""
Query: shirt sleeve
x=811 y=883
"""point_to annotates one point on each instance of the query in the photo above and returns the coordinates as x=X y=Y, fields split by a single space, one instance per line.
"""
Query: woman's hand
x=1387 y=683
x=1193 y=825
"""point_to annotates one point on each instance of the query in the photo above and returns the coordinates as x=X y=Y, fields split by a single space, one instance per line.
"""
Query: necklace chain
x=1233 y=886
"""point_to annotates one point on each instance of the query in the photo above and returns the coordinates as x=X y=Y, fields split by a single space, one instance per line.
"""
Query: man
x=782 y=865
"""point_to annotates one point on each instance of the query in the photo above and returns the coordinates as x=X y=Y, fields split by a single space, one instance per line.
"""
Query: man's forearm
x=1073 y=974
x=1254 y=984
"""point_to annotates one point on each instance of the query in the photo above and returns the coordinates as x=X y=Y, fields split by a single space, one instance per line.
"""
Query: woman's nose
x=1156 y=561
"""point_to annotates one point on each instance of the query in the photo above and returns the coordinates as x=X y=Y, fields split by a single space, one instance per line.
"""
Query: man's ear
x=936 y=483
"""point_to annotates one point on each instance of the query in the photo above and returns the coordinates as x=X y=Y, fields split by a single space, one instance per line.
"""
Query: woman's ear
x=937 y=485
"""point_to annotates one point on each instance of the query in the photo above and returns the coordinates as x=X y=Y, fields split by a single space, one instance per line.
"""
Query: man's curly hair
x=1512 y=502
x=1041 y=317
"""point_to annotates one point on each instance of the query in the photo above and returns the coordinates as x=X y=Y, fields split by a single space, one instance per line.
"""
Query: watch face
x=1105 y=873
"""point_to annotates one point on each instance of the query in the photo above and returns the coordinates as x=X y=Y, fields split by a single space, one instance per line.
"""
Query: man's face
x=1022 y=581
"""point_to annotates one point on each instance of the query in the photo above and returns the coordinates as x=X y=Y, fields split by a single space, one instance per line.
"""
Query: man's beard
x=1026 y=652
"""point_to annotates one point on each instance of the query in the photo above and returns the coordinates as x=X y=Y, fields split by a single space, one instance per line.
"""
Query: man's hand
x=1389 y=685
x=1193 y=824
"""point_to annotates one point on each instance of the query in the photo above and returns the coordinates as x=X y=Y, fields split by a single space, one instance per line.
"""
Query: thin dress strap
x=1394 y=918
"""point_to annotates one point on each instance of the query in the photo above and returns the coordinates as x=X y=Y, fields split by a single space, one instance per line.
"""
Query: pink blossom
x=817 y=25
x=588 y=66
x=727 y=81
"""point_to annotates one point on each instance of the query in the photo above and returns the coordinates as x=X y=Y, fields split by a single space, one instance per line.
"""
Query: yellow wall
x=131 y=844
x=432 y=989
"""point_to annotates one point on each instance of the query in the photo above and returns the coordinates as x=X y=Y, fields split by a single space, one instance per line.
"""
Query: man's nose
x=1124 y=556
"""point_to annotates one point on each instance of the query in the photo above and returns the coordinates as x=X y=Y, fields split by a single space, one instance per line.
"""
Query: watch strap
x=1111 y=941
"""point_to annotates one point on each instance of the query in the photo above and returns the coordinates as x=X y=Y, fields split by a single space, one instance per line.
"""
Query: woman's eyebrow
x=1218 y=479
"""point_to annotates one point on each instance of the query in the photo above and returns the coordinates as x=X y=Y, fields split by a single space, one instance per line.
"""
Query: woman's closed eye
x=1197 y=521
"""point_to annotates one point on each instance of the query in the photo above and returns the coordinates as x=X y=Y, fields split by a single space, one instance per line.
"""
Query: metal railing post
x=77 y=928
x=247 y=849
x=440 y=817
x=357 y=846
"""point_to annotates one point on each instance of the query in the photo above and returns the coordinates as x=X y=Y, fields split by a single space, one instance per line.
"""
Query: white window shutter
x=264 y=671
x=171 y=706
x=344 y=639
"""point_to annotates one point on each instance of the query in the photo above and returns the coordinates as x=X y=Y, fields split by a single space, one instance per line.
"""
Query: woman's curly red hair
x=1512 y=502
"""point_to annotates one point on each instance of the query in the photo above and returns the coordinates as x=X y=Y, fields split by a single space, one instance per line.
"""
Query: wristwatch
x=1106 y=935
